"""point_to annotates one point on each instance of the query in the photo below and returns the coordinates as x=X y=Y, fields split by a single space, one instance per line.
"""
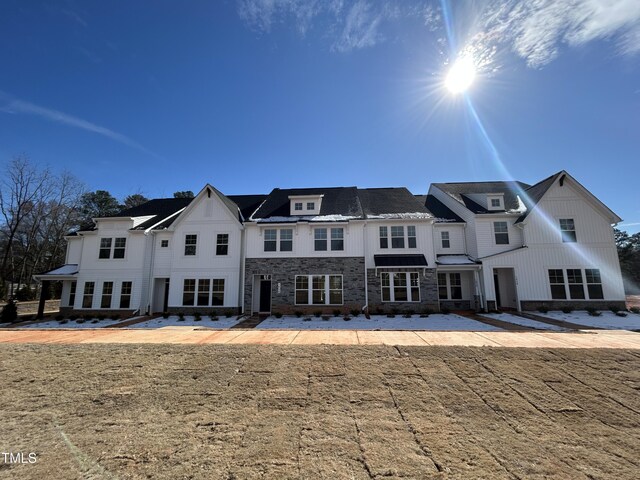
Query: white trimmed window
x=107 y=295
x=384 y=237
x=501 y=233
x=188 y=291
x=204 y=287
x=411 y=237
x=400 y=286
x=311 y=205
x=87 y=297
x=190 y=244
x=579 y=285
x=217 y=292
x=119 y=245
x=164 y=243
x=320 y=239
x=125 y=294
x=397 y=236
x=203 y=292
x=222 y=244
x=594 y=283
x=318 y=290
x=72 y=293
x=105 y=248
x=297 y=206
x=446 y=242
x=449 y=286
x=556 y=281
x=274 y=237
x=576 y=285
x=568 y=230
x=337 y=239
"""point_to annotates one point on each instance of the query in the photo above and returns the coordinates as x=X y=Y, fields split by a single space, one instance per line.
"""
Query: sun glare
x=461 y=76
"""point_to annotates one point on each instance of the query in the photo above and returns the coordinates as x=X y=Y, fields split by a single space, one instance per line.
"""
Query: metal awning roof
x=402 y=261
x=65 y=272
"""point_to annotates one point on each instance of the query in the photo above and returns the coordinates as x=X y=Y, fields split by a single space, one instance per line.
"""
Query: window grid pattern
x=125 y=294
x=501 y=232
x=318 y=290
x=400 y=286
x=222 y=244
x=87 y=297
x=190 y=244
x=107 y=294
x=568 y=230
x=446 y=242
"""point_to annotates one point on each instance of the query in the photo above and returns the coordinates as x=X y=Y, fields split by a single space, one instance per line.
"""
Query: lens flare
x=461 y=76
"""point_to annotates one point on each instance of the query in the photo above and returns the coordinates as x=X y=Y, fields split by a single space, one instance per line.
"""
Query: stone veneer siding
x=283 y=272
x=428 y=292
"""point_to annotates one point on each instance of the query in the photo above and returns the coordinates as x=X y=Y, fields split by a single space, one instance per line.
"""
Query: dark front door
x=496 y=284
x=265 y=296
x=165 y=303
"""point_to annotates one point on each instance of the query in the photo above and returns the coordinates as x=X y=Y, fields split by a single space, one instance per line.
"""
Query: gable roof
x=512 y=190
x=439 y=210
x=391 y=203
x=338 y=204
x=535 y=193
x=247 y=203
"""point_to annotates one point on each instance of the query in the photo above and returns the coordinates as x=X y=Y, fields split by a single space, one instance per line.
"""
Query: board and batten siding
x=485 y=235
x=456 y=239
x=462 y=212
x=424 y=240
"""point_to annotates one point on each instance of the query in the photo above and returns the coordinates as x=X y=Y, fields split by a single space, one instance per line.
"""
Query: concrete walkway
x=189 y=335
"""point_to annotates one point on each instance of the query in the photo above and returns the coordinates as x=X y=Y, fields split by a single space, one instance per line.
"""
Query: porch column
x=44 y=291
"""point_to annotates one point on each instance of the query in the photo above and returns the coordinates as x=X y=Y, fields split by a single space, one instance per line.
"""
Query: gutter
x=366 y=276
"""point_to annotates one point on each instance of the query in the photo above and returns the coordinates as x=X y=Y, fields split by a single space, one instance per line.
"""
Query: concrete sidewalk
x=189 y=335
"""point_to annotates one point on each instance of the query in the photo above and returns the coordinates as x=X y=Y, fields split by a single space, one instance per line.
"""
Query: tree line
x=38 y=207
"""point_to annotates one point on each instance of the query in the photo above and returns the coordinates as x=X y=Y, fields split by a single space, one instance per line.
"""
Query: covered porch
x=459 y=283
x=66 y=274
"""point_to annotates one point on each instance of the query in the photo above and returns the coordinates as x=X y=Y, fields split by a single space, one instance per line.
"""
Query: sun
x=461 y=75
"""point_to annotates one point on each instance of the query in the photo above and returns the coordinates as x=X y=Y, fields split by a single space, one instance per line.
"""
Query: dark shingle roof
x=460 y=192
x=439 y=210
x=336 y=201
x=162 y=207
x=247 y=203
x=536 y=192
x=390 y=201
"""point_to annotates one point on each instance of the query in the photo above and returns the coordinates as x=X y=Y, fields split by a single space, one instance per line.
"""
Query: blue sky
x=160 y=96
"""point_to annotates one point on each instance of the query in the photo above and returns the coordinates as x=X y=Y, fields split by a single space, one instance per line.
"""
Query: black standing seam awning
x=403 y=261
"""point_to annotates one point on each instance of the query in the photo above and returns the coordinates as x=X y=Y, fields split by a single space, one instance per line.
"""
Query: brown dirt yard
x=306 y=412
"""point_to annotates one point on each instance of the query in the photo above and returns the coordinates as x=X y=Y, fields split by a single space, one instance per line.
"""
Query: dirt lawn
x=307 y=412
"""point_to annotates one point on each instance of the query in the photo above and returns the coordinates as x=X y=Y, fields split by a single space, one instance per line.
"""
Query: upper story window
x=190 y=244
x=119 y=245
x=446 y=242
x=222 y=244
x=337 y=239
x=305 y=204
x=411 y=236
x=311 y=205
x=320 y=239
x=568 y=230
x=384 y=237
x=164 y=243
x=398 y=239
x=495 y=202
x=297 y=206
x=285 y=240
x=501 y=232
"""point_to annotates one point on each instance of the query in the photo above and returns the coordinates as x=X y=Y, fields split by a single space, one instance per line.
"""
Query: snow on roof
x=454 y=260
x=307 y=218
x=408 y=216
x=522 y=208
x=68 y=269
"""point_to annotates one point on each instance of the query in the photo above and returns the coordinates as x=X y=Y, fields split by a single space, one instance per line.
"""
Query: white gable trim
x=207 y=188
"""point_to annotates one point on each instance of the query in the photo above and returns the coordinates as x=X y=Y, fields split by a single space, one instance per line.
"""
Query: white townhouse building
x=463 y=246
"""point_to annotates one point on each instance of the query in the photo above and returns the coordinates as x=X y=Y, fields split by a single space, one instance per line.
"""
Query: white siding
x=456 y=239
x=74 y=250
x=424 y=240
x=462 y=212
x=485 y=237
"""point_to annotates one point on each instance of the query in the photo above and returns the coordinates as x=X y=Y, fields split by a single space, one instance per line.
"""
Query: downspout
x=243 y=249
x=151 y=287
x=366 y=276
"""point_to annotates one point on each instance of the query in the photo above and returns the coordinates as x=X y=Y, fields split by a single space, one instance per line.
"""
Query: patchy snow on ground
x=377 y=322
x=608 y=320
x=525 y=322
x=72 y=324
x=189 y=321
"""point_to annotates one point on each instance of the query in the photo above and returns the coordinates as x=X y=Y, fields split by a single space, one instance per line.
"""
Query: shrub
x=181 y=319
x=567 y=309
x=543 y=309
x=25 y=293
x=87 y=317
x=63 y=321
x=9 y=312
x=326 y=318
x=228 y=314
x=115 y=317
x=355 y=312
x=379 y=311
x=593 y=311
x=410 y=312
x=407 y=315
x=95 y=320
x=80 y=320
x=395 y=311
x=73 y=317
x=165 y=314
x=278 y=315
x=346 y=318
x=298 y=313
x=214 y=318
x=621 y=314
x=426 y=312
x=614 y=308
x=101 y=316
x=180 y=315
x=445 y=310
x=317 y=313
x=635 y=310
x=59 y=317
x=336 y=312
x=197 y=317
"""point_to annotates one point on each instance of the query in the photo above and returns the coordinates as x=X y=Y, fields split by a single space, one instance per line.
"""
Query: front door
x=265 y=296
x=496 y=284
x=165 y=301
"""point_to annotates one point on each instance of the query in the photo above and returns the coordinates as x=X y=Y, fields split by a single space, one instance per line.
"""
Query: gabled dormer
x=305 y=204
x=495 y=201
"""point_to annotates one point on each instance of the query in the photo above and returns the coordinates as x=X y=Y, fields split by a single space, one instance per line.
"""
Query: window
x=594 y=283
x=384 y=238
x=576 y=287
x=204 y=285
x=556 y=280
x=320 y=239
x=446 y=243
x=311 y=205
x=337 y=239
x=400 y=286
x=495 y=202
x=188 y=291
x=217 y=294
x=87 y=298
x=318 y=290
x=119 y=248
x=501 y=232
x=270 y=240
x=190 y=243
x=411 y=237
x=397 y=237
x=297 y=206
x=286 y=240
x=568 y=230
x=72 y=294
x=107 y=293
x=164 y=243
x=125 y=295
x=450 y=286
x=222 y=244
x=105 y=248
